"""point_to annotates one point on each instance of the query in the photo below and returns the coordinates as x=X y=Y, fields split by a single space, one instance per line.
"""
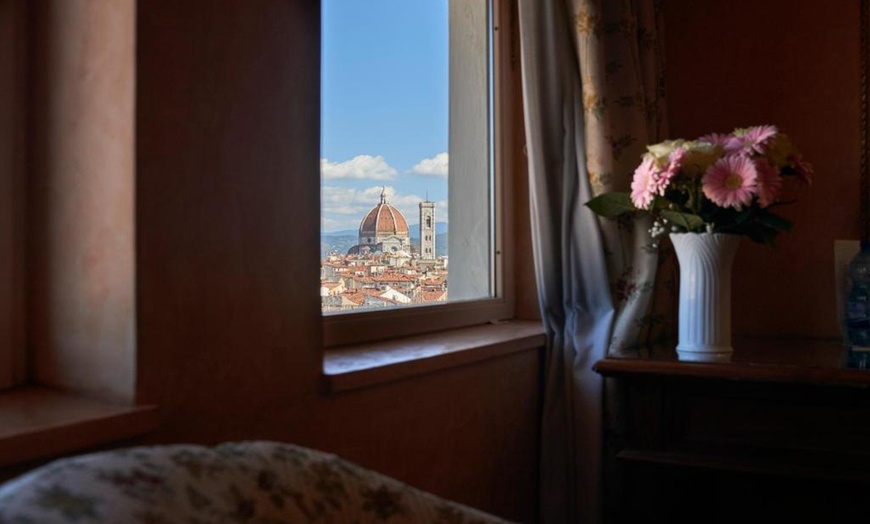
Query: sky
x=384 y=116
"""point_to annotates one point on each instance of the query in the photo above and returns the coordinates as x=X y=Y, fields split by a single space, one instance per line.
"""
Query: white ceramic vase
x=705 y=294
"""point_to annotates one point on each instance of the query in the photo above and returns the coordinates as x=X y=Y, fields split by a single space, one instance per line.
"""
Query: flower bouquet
x=707 y=193
x=719 y=183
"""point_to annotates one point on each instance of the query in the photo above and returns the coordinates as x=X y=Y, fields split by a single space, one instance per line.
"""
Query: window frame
x=368 y=326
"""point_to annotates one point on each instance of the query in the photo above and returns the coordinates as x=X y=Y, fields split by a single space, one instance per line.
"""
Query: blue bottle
x=858 y=308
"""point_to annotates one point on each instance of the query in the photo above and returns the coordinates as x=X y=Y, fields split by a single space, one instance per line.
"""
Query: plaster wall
x=81 y=235
x=172 y=218
x=795 y=64
x=228 y=318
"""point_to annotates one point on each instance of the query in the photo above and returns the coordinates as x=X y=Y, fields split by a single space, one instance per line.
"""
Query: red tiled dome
x=384 y=219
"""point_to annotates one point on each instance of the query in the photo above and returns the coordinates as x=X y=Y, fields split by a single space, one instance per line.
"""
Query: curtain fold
x=593 y=98
x=570 y=267
x=618 y=45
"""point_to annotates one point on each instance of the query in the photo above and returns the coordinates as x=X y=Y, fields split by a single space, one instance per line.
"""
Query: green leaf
x=758 y=232
x=782 y=203
x=743 y=215
x=611 y=205
x=774 y=221
x=687 y=220
x=678 y=197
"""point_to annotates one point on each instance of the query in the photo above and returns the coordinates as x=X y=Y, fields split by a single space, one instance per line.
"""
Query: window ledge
x=38 y=423
x=353 y=367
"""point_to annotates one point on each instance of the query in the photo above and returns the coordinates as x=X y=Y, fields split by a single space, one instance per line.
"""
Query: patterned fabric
x=619 y=49
x=248 y=482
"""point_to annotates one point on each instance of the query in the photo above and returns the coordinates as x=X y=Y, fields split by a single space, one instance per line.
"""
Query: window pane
x=405 y=161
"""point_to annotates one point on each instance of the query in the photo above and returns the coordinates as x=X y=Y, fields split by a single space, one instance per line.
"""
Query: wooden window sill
x=352 y=367
x=38 y=423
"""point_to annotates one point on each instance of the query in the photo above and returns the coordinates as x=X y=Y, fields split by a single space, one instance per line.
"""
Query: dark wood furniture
x=780 y=432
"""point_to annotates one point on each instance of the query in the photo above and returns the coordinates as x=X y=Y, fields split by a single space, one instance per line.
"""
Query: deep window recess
x=412 y=177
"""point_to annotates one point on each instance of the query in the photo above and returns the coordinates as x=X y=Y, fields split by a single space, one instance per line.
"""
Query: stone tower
x=427 y=230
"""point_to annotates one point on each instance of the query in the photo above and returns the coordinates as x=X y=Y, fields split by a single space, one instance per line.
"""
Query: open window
x=413 y=175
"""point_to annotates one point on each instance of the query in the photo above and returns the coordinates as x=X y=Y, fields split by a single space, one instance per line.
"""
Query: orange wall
x=734 y=63
x=228 y=316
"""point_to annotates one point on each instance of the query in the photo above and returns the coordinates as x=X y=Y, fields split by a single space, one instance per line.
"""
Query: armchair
x=247 y=482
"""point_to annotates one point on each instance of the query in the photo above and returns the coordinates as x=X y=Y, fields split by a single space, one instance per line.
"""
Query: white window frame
x=367 y=326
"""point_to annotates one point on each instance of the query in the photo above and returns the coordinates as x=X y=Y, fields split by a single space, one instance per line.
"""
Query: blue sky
x=384 y=107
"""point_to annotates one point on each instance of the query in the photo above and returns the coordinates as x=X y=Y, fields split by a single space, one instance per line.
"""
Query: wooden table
x=781 y=431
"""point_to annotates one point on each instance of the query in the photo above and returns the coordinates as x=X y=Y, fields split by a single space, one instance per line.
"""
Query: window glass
x=406 y=158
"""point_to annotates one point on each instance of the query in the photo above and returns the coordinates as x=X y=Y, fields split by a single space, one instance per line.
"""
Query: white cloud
x=441 y=211
x=331 y=224
x=361 y=167
x=344 y=208
x=435 y=166
x=350 y=201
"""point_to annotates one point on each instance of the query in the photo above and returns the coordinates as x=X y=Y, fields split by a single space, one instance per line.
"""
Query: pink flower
x=662 y=179
x=802 y=168
x=643 y=185
x=730 y=182
x=769 y=182
x=729 y=143
x=756 y=139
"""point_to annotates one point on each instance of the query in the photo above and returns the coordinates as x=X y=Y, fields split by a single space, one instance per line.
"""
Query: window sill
x=38 y=423
x=353 y=367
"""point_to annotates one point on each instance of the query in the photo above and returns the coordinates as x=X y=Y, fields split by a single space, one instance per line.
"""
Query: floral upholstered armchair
x=246 y=482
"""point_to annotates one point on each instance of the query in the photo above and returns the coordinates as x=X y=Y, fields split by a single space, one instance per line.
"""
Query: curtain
x=619 y=49
x=593 y=99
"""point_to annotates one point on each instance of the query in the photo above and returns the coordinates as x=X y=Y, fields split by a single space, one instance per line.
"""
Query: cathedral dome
x=384 y=220
x=383 y=230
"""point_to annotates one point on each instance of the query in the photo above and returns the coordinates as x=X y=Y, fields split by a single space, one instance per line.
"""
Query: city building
x=427 y=230
x=383 y=269
x=384 y=229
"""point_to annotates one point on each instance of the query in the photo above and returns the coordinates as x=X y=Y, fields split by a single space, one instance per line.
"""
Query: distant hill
x=440 y=227
x=440 y=244
x=342 y=233
x=336 y=243
x=341 y=241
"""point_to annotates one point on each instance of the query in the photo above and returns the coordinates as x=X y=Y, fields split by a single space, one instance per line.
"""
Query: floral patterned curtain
x=593 y=98
x=621 y=61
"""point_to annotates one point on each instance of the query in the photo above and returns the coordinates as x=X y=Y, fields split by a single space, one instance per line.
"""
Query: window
x=414 y=122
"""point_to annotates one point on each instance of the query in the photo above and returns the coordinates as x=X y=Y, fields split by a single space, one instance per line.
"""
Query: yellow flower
x=780 y=149
x=661 y=151
x=698 y=157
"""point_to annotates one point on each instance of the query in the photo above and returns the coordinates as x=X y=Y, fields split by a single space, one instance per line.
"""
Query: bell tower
x=427 y=230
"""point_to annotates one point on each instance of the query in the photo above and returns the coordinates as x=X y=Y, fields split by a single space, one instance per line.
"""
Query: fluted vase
x=705 y=261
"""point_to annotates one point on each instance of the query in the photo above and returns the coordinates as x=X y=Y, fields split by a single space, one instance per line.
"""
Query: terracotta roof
x=393 y=278
x=433 y=296
x=356 y=298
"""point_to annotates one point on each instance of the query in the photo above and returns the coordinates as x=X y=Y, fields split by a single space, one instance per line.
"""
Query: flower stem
x=696 y=197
